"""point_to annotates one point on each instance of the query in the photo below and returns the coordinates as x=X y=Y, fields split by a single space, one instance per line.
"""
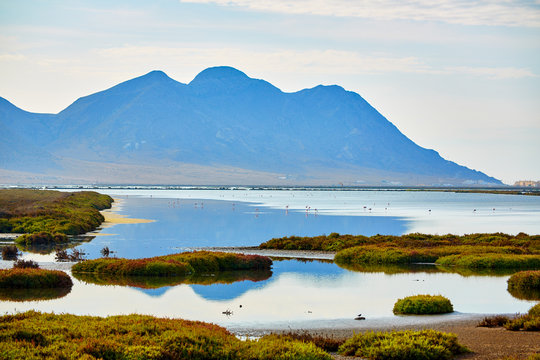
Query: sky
x=461 y=77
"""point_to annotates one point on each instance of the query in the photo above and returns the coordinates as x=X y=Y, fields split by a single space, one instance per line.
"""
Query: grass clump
x=527 y=322
x=525 y=280
x=403 y=345
x=10 y=252
x=31 y=278
x=493 y=321
x=32 y=211
x=25 y=264
x=175 y=265
x=33 y=335
x=42 y=237
x=423 y=305
x=325 y=342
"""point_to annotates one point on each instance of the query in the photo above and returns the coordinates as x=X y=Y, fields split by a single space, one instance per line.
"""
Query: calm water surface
x=306 y=293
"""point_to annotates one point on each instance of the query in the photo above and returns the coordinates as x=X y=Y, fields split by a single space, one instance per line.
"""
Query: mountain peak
x=219 y=73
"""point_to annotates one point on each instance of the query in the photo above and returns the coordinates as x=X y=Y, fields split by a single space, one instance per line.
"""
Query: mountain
x=222 y=128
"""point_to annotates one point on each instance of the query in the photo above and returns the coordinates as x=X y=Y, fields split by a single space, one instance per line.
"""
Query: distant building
x=527 y=183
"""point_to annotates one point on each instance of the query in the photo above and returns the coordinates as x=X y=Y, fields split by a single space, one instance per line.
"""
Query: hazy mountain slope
x=223 y=118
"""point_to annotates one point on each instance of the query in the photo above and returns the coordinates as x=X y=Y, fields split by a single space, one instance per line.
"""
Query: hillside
x=222 y=128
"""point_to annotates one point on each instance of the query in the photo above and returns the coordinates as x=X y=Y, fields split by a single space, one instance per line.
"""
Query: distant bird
x=359 y=317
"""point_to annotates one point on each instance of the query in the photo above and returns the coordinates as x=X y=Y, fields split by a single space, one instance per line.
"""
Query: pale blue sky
x=461 y=77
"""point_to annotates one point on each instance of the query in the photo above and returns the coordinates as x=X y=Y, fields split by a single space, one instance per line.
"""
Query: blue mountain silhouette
x=221 y=122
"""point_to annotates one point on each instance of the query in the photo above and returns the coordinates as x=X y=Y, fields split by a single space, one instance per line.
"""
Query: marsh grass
x=424 y=344
x=10 y=252
x=25 y=264
x=175 y=265
x=423 y=305
x=493 y=321
x=477 y=252
x=526 y=322
x=326 y=342
x=42 y=237
x=34 y=278
x=33 y=335
x=525 y=280
x=33 y=211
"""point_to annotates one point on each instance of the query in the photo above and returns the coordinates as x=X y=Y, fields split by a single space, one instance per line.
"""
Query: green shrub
x=34 y=278
x=535 y=310
x=527 y=322
x=323 y=341
x=175 y=265
x=42 y=237
x=493 y=321
x=276 y=347
x=33 y=335
x=10 y=252
x=403 y=345
x=529 y=280
x=423 y=304
x=25 y=264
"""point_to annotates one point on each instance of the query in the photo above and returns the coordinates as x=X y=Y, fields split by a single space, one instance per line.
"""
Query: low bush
x=325 y=342
x=527 y=322
x=25 y=264
x=424 y=344
x=34 y=278
x=175 y=265
x=423 y=305
x=10 y=252
x=525 y=280
x=33 y=335
x=493 y=321
x=42 y=237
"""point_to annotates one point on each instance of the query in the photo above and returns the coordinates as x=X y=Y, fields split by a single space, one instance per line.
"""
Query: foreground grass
x=31 y=278
x=33 y=335
x=175 y=265
x=32 y=211
x=424 y=344
x=527 y=322
x=423 y=305
x=473 y=251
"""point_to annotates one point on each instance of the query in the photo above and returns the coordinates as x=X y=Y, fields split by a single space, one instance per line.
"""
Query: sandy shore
x=112 y=217
x=254 y=250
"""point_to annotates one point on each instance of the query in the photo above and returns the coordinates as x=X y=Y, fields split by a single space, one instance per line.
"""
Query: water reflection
x=525 y=294
x=44 y=249
x=296 y=293
x=154 y=282
x=20 y=295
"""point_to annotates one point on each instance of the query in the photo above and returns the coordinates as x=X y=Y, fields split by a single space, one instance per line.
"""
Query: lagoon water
x=297 y=294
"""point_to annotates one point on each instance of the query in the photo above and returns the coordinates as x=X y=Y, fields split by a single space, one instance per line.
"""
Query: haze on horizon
x=460 y=77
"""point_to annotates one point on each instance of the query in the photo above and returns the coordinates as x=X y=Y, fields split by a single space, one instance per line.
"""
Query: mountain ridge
x=225 y=119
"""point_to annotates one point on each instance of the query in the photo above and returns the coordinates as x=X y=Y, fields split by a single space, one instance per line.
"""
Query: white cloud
x=302 y=61
x=465 y=12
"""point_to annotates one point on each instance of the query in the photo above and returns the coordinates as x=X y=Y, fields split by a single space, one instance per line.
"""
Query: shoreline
x=276 y=253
